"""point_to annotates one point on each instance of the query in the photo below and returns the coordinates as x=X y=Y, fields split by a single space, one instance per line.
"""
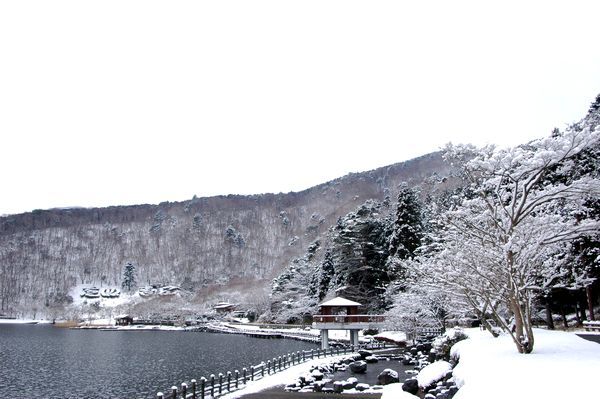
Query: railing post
x=174 y=392
x=303 y=356
x=220 y=383
x=244 y=372
x=229 y=381
x=202 y=387
x=212 y=385
x=251 y=373
x=268 y=367
x=298 y=357
x=237 y=379
x=160 y=395
x=279 y=361
x=184 y=390
x=194 y=385
x=262 y=370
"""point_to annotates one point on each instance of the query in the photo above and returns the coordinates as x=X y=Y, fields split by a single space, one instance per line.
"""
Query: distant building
x=224 y=307
x=124 y=320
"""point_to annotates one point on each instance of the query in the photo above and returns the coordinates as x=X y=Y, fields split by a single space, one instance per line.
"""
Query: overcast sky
x=125 y=102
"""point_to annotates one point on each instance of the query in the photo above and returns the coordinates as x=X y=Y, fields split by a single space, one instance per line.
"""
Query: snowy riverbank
x=562 y=365
x=24 y=321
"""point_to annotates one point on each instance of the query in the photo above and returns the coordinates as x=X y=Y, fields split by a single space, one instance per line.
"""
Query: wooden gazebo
x=343 y=314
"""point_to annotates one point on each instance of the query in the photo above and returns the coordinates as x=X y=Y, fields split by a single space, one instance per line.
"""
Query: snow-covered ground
x=23 y=321
x=562 y=365
x=285 y=377
x=78 y=300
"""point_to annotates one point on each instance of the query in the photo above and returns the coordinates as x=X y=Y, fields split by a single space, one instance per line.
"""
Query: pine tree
x=128 y=276
x=408 y=227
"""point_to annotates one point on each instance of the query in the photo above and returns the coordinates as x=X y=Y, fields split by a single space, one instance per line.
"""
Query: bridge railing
x=220 y=384
x=348 y=319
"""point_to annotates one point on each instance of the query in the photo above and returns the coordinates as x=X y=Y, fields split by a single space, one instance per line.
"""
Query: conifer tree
x=128 y=276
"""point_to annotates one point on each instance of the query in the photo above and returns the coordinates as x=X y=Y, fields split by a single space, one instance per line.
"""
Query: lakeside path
x=279 y=393
x=272 y=387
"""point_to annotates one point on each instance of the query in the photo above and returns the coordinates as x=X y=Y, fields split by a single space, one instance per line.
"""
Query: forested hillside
x=206 y=245
x=508 y=234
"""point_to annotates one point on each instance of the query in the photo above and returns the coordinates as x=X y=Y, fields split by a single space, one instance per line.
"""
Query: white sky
x=123 y=102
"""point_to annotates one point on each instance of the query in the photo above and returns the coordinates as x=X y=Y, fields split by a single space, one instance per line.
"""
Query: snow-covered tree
x=406 y=236
x=502 y=246
x=420 y=307
x=128 y=276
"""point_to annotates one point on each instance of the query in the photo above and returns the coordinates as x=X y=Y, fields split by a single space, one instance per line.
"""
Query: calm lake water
x=47 y=362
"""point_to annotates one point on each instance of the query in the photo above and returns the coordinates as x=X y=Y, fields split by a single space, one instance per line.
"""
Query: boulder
x=387 y=376
x=371 y=359
x=318 y=386
x=364 y=353
x=359 y=367
x=317 y=375
x=338 y=386
x=411 y=386
x=353 y=381
x=362 y=387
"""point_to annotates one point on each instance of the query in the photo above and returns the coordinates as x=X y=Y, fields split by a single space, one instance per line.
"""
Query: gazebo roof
x=339 y=301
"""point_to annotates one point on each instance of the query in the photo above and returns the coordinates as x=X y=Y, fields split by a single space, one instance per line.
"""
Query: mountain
x=207 y=245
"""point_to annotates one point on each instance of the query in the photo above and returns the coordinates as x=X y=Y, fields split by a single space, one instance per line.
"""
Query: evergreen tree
x=408 y=226
x=128 y=276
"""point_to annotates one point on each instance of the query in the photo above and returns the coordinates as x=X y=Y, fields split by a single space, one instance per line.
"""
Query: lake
x=40 y=361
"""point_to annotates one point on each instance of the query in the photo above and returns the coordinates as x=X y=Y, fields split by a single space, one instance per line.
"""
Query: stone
x=359 y=367
x=318 y=386
x=353 y=381
x=317 y=375
x=452 y=390
x=362 y=387
x=348 y=384
x=371 y=359
x=408 y=360
x=411 y=386
x=387 y=376
x=338 y=386
x=364 y=354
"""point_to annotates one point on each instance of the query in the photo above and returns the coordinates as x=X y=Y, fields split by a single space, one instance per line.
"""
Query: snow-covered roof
x=339 y=301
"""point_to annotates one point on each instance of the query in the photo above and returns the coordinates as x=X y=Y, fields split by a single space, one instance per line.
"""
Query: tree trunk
x=590 y=302
x=577 y=315
x=549 y=321
x=564 y=317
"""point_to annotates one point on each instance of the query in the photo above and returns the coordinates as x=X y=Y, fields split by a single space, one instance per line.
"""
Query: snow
x=562 y=365
x=284 y=377
x=433 y=373
x=394 y=336
x=394 y=391
x=23 y=321
x=339 y=301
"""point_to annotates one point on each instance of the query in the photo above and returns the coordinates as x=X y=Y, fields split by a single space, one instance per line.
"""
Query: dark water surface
x=39 y=361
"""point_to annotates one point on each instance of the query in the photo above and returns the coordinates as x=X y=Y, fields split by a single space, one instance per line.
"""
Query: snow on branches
x=507 y=239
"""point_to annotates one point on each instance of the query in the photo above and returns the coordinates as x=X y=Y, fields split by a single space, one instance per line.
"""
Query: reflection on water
x=46 y=362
